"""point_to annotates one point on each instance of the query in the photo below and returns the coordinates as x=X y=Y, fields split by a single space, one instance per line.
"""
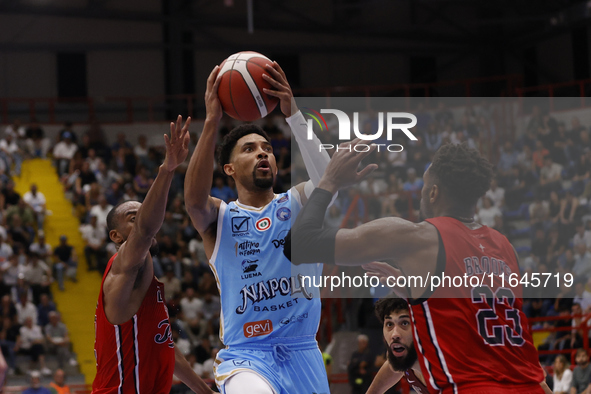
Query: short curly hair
x=227 y=146
x=386 y=306
x=461 y=172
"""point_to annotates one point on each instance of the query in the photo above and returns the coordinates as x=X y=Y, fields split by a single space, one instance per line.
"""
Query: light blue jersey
x=263 y=296
x=269 y=316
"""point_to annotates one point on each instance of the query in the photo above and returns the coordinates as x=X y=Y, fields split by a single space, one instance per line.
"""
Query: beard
x=402 y=363
x=262 y=183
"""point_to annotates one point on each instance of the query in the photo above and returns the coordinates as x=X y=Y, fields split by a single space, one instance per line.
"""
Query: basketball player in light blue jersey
x=269 y=319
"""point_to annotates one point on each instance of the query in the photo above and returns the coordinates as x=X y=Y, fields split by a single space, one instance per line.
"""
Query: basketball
x=241 y=88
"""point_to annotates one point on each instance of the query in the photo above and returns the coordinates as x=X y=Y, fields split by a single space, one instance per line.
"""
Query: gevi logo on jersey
x=258 y=328
x=345 y=129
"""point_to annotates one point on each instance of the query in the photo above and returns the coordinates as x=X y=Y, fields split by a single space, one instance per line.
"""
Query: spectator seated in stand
x=32 y=344
x=59 y=386
x=95 y=249
x=58 y=340
x=36 y=200
x=66 y=262
x=64 y=152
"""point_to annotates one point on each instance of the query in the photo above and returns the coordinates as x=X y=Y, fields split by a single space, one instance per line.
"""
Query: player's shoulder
x=285 y=197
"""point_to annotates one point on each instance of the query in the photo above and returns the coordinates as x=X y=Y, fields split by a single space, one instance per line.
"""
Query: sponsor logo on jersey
x=241 y=363
x=269 y=289
x=298 y=318
x=283 y=199
x=249 y=268
x=258 y=328
x=240 y=225
x=249 y=265
x=166 y=336
x=263 y=224
x=280 y=240
x=283 y=214
x=247 y=248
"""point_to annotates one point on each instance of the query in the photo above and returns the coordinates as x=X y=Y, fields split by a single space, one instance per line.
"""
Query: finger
x=366 y=171
x=167 y=141
x=362 y=154
x=185 y=129
x=216 y=85
x=276 y=75
x=274 y=82
x=275 y=93
x=277 y=67
x=186 y=141
x=374 y=274
x=177 y=129
x=212 y=76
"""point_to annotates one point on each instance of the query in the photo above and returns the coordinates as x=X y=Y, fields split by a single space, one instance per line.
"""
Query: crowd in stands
x=30 y=325
x=540 y=199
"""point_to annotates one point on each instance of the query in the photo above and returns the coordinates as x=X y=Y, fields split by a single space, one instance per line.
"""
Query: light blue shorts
x=290 y=365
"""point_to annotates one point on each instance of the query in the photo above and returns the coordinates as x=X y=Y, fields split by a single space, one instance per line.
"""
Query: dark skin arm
x=121 y=298
x=202 y=208
x=390 y=238
x=183 y=370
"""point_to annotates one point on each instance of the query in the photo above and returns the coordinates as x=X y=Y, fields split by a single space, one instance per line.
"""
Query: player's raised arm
x=385 y=238
x=149 y=217
x=203 y=208
x=314 y=159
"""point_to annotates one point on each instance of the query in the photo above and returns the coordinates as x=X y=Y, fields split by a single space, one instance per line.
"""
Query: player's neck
x=463 y=215
x=255 y=198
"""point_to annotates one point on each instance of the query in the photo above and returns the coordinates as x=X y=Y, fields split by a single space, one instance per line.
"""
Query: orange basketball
x=241 y=88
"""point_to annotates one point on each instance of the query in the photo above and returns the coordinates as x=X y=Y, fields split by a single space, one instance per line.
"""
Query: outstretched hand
x=383 y=271
x=282 y=91
x=342 y=168
x=177 y=145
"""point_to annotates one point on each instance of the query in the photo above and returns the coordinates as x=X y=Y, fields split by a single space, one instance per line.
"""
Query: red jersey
x=137 y=356
x=474 y=339
x=414 y=382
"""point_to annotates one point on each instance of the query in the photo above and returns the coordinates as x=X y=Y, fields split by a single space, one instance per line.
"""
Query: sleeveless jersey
x=414 y=382
x=475 y=339
x=138 y=355
x=262 y=294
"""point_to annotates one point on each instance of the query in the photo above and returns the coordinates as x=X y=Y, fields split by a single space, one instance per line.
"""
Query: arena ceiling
x=343 y=26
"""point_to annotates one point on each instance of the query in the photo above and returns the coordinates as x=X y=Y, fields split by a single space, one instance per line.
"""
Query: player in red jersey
x=133 y=345
x=470 y=339
x=402 y=355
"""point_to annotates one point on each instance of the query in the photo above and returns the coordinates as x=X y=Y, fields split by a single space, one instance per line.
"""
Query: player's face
x=253 y=162
x=127 y=213
x=398 y=336
x=127 y=216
